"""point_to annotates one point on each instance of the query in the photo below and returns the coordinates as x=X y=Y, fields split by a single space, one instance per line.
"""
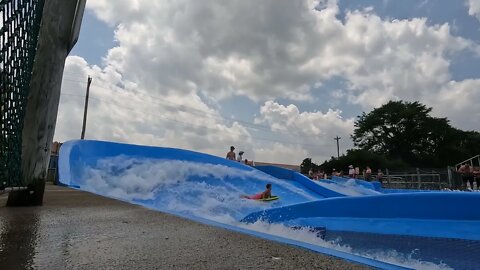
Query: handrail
x=468 y=160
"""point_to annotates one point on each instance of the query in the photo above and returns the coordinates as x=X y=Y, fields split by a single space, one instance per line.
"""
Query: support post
x=53 y=46
x=388 y=177
x=419 y=179
x=449 y=171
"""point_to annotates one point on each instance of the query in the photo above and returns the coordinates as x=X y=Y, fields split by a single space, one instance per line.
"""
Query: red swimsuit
x=256 y=196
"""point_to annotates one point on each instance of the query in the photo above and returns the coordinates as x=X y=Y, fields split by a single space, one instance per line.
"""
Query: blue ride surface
x=422 y=229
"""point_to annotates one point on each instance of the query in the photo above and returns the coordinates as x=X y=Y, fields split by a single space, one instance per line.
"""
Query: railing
x=470 y=160
x=426 y=179
x=420 y=179
x=52 y=173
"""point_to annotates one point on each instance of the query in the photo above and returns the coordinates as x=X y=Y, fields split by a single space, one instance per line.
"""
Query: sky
x=278 y=79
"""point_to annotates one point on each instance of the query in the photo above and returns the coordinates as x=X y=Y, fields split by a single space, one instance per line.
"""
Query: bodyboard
x=272 y=198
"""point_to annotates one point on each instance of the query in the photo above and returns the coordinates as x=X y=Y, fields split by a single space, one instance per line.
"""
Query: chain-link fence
x=19 y=28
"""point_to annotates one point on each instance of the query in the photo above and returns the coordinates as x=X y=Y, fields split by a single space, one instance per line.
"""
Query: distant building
x=286 y=166
x=55 y=148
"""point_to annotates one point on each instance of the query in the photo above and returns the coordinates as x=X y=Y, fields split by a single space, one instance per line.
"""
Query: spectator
x=320 y=175
x=351 y=171
x=476 y=175
x=240 y=156
x=380 y=175
x=368 y=173
x=310 y=174
x=357 y=172
x=467 y=175
x=250 y=162
x=231 y=154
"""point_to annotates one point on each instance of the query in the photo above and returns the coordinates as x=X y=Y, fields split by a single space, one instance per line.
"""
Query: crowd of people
x=470 y=174
x=353 y=172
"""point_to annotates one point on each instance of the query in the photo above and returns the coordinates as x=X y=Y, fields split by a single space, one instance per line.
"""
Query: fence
x=428 y=179
x=20 y=23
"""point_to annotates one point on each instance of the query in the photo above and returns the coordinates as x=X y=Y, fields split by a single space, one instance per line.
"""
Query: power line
x=175 y=106
x=194 y=125
x=184 y=108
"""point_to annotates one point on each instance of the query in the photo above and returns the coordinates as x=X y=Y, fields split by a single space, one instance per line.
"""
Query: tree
x=406 y=131
x=308 y=165
x=361 y=158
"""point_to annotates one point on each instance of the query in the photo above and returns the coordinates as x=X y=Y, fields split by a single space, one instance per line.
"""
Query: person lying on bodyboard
x=267 y=194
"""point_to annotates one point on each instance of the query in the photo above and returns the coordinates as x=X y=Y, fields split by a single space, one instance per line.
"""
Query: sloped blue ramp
x=207 y=188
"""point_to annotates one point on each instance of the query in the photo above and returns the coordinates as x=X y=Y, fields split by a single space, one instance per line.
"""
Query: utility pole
x=89 y=81
x=338 y=147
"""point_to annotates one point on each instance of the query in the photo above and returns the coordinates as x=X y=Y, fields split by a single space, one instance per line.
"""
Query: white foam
x=133 y=178
x=349 y=188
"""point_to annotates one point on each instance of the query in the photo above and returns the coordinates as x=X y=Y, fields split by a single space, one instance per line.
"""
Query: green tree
x=361 y=158
x=306 y=165
x=406 y=131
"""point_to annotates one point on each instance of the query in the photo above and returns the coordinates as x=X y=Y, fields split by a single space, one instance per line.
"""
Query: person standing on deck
x=368 y=173
x=231 y=155
x=351 y=171
x=240 y=156
x=379 y=175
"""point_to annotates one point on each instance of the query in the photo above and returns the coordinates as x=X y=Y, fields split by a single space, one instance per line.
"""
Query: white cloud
x=459 y=101
x=316 y=130
x=474 y=8
x=173 y=53
x=127 y=113
x=277 y=49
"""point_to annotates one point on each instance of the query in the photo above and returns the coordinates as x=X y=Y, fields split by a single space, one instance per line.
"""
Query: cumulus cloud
x=459 y=101
x=316 y=129
x=474 y=8
x=278 y=49
x=175 y=62
x=121 y=111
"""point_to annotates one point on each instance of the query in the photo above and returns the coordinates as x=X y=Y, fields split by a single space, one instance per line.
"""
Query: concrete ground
x=79 y=230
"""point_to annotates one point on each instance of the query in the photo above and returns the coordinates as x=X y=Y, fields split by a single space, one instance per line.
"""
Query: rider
x=264 y=195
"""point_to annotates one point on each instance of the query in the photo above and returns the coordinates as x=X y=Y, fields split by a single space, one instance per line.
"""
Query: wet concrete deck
x=78 y=230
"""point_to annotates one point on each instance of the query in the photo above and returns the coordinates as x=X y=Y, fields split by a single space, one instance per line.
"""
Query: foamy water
x=349 y=188
x=212 y=191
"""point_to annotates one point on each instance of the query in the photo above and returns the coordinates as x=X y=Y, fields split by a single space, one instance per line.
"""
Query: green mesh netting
x=20 y=23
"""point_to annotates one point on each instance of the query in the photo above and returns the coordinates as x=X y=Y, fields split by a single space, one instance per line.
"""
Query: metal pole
x=449 y=171
x=419 y=179
x=338 y=146
x=89 y=81
x=388 y=177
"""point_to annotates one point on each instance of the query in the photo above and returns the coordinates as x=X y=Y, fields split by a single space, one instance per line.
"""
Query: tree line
x=403 y=134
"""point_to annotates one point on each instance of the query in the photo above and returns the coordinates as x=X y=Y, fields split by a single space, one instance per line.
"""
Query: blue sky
x=277 y=78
